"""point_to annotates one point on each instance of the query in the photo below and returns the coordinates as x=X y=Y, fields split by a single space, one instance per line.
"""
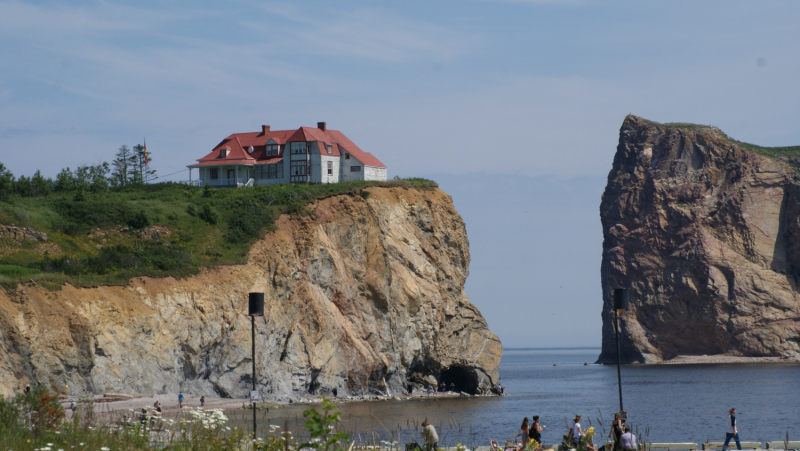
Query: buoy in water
x=555 y=364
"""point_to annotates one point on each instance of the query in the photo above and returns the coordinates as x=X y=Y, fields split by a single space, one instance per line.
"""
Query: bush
x=139 y=220
x=248 y=221
x=208 y=215
x=364 y=193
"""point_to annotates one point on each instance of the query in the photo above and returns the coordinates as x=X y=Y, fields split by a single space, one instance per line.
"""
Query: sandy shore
x=692 y=359
x=110 y=403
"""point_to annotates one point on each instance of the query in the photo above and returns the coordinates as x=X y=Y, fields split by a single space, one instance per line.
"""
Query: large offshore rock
x=705 y=233
x=364 y=297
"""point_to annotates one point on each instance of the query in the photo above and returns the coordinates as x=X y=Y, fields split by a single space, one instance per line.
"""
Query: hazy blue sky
x=516 y=104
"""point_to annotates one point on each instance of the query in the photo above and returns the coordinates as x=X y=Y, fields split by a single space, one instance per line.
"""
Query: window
x=214 y=173
x=272 y=150
x=330 y=165
x=298 y=167
x=329 y=149
x=298 y=147
x=346 y=156
x=355 y=168
x=223 y=153
x=271 y=171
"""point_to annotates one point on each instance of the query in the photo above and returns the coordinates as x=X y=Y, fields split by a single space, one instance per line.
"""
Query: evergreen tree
x=65 y=181
x=6 y=182
x=41 y=186
x=124 y=163
x=23 y=186
x=142 y=172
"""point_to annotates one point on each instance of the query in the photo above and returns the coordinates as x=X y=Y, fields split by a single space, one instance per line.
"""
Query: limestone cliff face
x=707 y=236
x=365 y=296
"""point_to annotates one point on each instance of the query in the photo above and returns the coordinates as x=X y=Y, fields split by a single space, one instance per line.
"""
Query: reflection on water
x=677 y=402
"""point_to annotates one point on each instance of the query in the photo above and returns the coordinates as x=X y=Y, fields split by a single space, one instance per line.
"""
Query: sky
x=514 y=106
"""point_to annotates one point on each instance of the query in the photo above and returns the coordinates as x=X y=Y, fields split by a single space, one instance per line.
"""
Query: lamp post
x=255 y=308
x=621 y=299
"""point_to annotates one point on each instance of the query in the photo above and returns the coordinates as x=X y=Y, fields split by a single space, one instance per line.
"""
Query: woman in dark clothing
x=536 y=430
x=616 y=430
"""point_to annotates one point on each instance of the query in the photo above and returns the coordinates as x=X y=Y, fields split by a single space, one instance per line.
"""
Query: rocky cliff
x=706 y=233
x=363 y=296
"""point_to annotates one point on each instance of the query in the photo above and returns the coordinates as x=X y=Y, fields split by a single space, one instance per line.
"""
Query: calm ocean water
x=677 y=403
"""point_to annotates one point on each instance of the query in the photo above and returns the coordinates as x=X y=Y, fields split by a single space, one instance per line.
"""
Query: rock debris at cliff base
x=365 y=297
x=706 y=233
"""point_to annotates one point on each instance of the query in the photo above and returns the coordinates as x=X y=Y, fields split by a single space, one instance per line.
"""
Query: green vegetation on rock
x=108 y=234
x=791 y=153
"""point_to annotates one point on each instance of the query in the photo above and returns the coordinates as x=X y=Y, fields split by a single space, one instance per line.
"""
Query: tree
x=23 y=186
x=40 y=186
x=141 y=168
x=124 y=163
x=6 y=182
x=65 y=181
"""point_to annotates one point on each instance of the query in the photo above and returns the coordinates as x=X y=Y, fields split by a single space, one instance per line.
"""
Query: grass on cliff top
x=790 y=152
x=102 y=237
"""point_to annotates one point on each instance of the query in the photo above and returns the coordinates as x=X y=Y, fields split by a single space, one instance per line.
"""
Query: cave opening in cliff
x=464 y=379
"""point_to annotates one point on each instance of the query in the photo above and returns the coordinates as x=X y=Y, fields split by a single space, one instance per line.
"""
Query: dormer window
x=329 y=149
x=272 y=150
x=223 y=153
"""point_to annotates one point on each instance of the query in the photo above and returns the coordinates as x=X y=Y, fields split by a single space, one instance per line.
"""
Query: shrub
x=364 y=193
x=248 y=221
x=139 y=220
x=208 y=215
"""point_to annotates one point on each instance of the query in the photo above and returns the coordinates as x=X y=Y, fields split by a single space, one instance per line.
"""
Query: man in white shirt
x=628 y=439
x=733 y=431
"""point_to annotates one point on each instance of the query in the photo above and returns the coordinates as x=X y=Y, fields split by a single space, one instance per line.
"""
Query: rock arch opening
x=463 y=378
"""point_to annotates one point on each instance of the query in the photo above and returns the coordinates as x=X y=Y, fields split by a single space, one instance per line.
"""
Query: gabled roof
x=239 y=142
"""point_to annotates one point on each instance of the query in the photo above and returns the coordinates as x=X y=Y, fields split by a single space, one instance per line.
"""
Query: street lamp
x=621 y=299
x=255 y=308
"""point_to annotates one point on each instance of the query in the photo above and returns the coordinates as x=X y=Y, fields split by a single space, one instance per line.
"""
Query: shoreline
x=721 y=358
x=114 y=402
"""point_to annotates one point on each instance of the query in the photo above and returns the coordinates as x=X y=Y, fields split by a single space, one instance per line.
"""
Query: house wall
x=324 y=159
x=374 y=173
x=345 y=175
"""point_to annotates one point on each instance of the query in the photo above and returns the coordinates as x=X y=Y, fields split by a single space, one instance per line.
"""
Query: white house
x=305 y=155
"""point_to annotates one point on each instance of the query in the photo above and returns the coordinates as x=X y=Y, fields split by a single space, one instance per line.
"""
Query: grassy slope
x=93 y=238
x=792 y=152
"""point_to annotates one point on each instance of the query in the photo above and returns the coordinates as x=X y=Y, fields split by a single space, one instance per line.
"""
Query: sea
x=665 y=403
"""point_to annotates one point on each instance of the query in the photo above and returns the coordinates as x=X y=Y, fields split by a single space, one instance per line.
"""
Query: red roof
x=238 y=143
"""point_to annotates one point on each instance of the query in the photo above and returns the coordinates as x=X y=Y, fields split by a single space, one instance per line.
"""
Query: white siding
x=374 y=173
x=334 y=160
x=346 y=175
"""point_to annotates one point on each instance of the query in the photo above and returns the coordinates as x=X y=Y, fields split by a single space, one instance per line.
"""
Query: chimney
x=264 y=129
x=321 y=126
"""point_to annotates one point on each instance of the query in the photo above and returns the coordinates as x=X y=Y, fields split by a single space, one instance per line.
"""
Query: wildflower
x=49 y=444
x=104 y=449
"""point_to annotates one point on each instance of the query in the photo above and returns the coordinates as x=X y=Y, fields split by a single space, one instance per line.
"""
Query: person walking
x=203 y=401
x=616 y=431
x=430 y=436
x=733 y=431
x=536 y=430
x=526 y=430
x=180 y=400
x=628 y=440
x=577 y=432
